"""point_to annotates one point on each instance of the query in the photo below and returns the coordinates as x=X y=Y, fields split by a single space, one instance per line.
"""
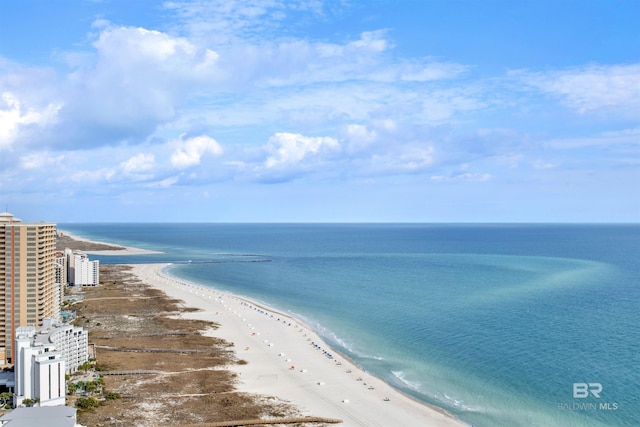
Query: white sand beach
x=121 y=250
x=286 y=359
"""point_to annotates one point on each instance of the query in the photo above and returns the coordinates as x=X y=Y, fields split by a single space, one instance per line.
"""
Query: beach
x=449 y=314
x=101 y=248
x=287 y=360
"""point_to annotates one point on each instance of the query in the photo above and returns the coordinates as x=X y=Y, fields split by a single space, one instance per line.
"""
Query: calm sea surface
x=502 y=325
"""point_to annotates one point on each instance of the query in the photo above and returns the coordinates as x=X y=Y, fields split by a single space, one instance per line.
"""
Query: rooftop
x=7 y=217
x=50 y=416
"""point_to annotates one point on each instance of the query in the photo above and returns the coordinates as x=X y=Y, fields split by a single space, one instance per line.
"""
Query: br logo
x=582 y=390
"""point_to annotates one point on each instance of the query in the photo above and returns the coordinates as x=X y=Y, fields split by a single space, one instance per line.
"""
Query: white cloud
x=123 y=50
x=290 y=149
x=370 y=58
x=164 y=183
x=543 y=164
x=377 y=150
x=629 y=137
x=371 y=41
x=228 y=69
x=399 y=160
x=360 y=136
x=190 y=151
x=223 y=21
x=445 y=104
x=592 y=88
x=287 y=156
x=138 y=80
x=463 y=176
x=91 y=177
x=139 y=163
x=14 y=116
x=424 y=71
x=40 y=159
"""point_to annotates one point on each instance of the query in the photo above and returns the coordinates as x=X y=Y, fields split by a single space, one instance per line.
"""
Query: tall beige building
x=27 y=277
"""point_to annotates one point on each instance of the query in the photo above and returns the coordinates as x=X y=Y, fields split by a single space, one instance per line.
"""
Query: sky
x=320 y=110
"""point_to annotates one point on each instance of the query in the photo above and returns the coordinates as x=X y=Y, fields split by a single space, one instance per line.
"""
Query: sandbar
x=287 y=360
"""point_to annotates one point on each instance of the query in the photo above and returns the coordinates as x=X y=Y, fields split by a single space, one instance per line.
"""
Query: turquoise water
x=494 y=323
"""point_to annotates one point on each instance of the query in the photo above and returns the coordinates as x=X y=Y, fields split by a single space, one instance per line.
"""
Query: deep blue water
x=494 y=323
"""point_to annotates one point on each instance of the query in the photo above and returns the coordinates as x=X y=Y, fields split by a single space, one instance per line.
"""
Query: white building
x=83 y=272
x=43 y=357
x=71 y=341
x=39 y=370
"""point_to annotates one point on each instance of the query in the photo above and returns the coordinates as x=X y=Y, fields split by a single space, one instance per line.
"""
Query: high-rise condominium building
x=39 y=370
x=71 y=341
x=27 y=277
x=84 y=272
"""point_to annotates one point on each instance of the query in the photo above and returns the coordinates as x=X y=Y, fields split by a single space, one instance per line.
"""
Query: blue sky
x=320 y=111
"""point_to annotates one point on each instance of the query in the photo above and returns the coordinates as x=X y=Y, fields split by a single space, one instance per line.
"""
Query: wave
x=443 y=400
x=325 y=333
x=335 y=341
x=413 y=385
x=458 y=404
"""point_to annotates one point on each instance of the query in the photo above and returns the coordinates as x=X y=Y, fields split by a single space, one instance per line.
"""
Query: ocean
x=499 y=324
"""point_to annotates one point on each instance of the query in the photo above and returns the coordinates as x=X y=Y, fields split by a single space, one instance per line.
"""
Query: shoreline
x=286 y=359
x=320 y=385
x=117 y=249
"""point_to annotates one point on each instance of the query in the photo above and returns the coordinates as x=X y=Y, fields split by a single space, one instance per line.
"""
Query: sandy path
x=286 y=359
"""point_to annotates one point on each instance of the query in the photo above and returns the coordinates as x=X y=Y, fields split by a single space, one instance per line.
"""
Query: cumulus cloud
x=14 y=117
x=353 y=107
x=138 y=80
x=150 y=57
x=291 y=149
x=287 y=156
x=190 y=151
